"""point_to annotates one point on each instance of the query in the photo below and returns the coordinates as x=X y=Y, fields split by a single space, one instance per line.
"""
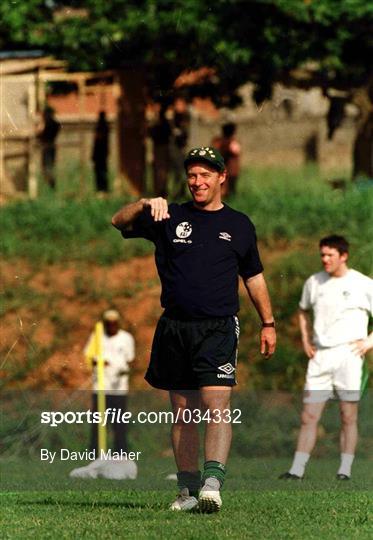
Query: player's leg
x=93 y=443
x=185 y=444
x=348 y=437
x=310 y=417
x=348 y=378
x=215 y=404
x=184 y=433
x=170 y=369
x=214 y=363
x=318 y=389
x=119 y=402
x=218 y=428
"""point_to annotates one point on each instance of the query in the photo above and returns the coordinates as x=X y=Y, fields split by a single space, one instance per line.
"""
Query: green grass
x=284 y=205
x=268 y=423
x=256 y=504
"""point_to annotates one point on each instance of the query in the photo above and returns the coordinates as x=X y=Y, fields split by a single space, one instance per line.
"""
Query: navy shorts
x=189 y=354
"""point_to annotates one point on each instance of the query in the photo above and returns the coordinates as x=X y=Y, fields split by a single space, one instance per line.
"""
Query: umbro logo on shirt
x=225 y=236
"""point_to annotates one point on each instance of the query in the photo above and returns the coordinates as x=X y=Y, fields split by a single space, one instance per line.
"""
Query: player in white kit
x=341 y=300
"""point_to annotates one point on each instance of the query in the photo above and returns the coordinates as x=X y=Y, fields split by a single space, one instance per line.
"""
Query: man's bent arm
x=306 y=333
x=258 y=292
x=127 y=215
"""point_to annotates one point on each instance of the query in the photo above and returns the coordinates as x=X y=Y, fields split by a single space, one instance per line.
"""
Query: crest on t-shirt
x=184 y=229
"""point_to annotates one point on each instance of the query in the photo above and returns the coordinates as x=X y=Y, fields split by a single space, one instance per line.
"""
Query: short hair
x=337 y=242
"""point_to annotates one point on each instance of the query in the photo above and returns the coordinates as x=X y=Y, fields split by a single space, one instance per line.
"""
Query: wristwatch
x=268 y=324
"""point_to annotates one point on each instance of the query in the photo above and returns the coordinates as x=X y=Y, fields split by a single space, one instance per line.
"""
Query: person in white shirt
x=341 y=300
x=118 y=351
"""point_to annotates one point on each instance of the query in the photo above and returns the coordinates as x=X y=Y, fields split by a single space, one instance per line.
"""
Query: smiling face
x=204 y=184
x=334 y=263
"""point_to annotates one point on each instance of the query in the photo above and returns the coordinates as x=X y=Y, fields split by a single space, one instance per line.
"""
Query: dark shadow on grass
x=103 y=504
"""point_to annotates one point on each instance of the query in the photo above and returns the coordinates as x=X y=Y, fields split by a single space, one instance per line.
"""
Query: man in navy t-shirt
x=201 y=249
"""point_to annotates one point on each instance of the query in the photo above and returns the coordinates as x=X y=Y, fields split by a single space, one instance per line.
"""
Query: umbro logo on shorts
x=225 y=236
x=227 y=368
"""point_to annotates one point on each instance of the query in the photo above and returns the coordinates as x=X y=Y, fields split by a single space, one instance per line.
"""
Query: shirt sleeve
x=143 y=227
x=250 y=264
x=305 y=301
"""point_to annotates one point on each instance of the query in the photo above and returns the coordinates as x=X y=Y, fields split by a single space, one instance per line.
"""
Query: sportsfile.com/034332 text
x=112 y=415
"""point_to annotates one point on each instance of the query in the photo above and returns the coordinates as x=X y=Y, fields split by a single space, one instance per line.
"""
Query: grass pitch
x=40 y=501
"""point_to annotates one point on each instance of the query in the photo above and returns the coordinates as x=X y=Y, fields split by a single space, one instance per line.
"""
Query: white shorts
x=335 y=370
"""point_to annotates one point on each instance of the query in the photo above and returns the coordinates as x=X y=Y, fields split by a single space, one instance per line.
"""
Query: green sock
x=214 y=469
x=190 y=480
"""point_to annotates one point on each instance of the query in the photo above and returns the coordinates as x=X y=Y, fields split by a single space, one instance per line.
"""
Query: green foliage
x=291 y=212
x=49 y=230
x=283 y=205
x=286 y=206
x=258 y=41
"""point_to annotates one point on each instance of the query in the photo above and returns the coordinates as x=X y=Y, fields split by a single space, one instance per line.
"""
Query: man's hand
x=125 y=217
x=309 y=349
x=158 y=208
x=267 y=341
x=362 y=346
x=95 y=362
x=306 y=332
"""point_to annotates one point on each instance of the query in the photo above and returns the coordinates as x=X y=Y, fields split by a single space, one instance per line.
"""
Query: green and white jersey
x=341 y=307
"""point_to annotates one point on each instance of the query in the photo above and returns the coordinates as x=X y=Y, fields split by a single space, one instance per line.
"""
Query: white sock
x=299 y=463
x=346 y=463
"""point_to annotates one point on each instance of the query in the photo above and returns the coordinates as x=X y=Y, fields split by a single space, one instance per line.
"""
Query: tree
x=152 y=42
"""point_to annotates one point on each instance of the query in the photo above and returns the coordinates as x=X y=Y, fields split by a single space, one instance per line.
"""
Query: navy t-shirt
x=199 y=255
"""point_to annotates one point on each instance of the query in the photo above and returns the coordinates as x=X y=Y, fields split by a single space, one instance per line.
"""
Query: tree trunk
x=132 y=129
x=363 y=149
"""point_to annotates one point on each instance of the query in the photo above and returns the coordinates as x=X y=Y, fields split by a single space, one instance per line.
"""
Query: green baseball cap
x=205 y=154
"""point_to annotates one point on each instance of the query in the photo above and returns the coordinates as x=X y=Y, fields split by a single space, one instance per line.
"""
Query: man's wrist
x=268 y=324
x=143 y=203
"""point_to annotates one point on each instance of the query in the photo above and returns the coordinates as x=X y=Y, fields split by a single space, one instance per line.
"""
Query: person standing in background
x=180 y=133
x=100 y=153
x=47 y=136
x=341 y=300
x=160 y=134
x=118 y=351
x=230 y=149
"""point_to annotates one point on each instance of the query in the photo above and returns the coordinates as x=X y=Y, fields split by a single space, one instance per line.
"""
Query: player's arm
x=129 y=359
x=258 y=292
x=127 y=215
x=305 y=327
